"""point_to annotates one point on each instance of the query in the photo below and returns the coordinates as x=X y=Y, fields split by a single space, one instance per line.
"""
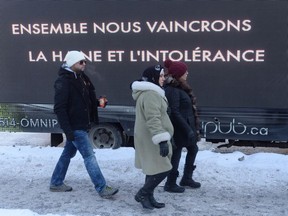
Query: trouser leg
x=171 y=185
x=191 y=154
x=152 y=181
x=62 y=165
x=156 y=179
x=189 y=168
x=82 y=143
x=175 y=160
x=145 y=194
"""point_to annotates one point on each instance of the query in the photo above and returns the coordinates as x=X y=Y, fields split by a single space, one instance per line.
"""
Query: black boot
x=143 y=197
x=154 y=203
x=171 y=186
x=187 y=177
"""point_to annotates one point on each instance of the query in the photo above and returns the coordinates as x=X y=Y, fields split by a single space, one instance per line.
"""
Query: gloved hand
x=164 y=148
x=70 y=136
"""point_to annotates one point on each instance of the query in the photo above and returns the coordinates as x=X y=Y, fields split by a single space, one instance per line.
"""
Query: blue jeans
x=82 y=144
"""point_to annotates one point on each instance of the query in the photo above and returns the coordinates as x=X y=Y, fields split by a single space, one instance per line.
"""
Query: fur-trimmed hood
x=140 y=86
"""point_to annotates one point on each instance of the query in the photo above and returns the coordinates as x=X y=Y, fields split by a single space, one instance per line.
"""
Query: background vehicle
x=236 y=52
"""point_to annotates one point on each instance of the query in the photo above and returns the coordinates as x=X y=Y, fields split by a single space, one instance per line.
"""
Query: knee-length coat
x=152 y=125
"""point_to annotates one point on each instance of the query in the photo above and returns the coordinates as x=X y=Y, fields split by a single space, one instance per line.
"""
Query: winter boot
x=154 y=203
x=187 y=177
x=143 y=197
x=171 y=186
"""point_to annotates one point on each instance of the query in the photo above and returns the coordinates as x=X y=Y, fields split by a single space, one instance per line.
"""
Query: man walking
x=75 y=105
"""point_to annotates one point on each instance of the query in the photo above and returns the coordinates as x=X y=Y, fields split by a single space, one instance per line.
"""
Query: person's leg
x=85 y=148
x=83 y=145
x=61 y=168
x=175 y=160
x=152 y=182
x=191 y=154
x=146 y=194
x=189 y=168
x=171 y=185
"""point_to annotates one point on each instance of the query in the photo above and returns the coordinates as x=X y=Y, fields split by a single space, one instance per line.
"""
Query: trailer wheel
x=105 y=136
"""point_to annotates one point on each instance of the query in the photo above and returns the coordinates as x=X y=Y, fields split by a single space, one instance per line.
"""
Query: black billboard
x=236 y=51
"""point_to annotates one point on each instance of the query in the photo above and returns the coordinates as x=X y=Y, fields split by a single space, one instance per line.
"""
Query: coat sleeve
x=61 y=101
x=94 y=101
x=173 y=97
x=153 y=112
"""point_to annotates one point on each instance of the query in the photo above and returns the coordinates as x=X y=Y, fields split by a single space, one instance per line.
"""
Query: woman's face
x=184 y=76
x=161 y=79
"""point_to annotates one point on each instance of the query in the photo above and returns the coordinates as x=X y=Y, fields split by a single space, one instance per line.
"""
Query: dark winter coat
x=182 y=116
x=75 y=101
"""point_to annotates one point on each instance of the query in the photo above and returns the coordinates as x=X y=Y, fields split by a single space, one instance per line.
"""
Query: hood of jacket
x=139 y=87
x=64 y=69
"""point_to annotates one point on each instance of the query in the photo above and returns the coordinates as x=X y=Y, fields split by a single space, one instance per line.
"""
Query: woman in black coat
x=183 y=115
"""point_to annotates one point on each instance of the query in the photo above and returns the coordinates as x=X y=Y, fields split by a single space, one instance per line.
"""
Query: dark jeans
x=83 y=145
x=192 y=151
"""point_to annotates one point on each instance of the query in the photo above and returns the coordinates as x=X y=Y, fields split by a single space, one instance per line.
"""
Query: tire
x=105 y=136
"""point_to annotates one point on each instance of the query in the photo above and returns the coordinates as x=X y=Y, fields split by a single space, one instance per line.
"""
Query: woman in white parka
x=152 y=133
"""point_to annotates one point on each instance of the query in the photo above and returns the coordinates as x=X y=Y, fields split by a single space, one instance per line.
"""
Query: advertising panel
x=236 y=51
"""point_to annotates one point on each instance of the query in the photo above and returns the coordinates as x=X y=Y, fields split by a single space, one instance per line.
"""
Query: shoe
x=143 y=198
x=173 y=188
x=108 y=191
x=60 y=188
x=190 y=183
x=187 y=177
x=154 y=203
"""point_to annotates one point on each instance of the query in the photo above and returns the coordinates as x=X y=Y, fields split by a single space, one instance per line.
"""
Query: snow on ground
x=232 y=183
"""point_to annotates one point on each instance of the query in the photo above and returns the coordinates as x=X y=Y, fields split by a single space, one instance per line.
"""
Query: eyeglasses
x=82 y=62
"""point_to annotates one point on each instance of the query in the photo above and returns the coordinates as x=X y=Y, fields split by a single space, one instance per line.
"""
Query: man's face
x=79 y=66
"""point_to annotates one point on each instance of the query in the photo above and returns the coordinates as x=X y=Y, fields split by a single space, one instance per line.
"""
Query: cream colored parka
x=152 y=126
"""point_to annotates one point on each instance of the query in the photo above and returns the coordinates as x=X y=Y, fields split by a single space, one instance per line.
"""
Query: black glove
x=164 y=148
x=70 y=136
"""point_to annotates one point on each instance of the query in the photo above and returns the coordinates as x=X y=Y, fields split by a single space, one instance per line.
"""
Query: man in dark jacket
x=75 y=105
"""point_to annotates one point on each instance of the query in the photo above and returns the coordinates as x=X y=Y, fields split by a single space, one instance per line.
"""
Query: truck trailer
x=236 y=52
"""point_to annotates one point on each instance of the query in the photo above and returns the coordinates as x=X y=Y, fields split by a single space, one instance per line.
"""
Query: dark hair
x=152 y=74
